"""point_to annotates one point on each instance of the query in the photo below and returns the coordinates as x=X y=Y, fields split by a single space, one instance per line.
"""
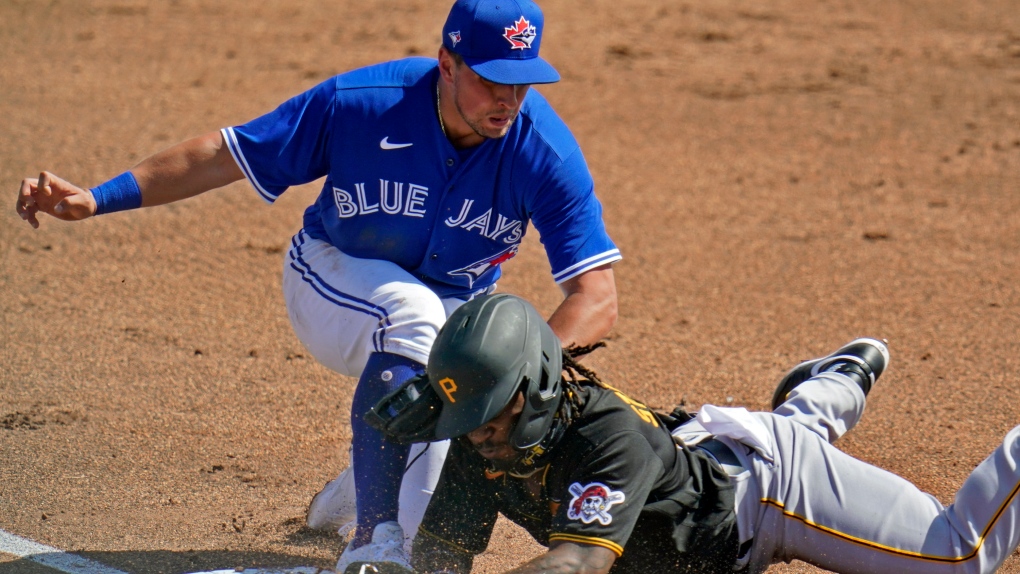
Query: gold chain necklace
x=439 y=111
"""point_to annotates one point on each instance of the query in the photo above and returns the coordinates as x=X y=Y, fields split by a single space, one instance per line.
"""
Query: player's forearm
x=567 y=558
x=589 y=308
x=185 y=170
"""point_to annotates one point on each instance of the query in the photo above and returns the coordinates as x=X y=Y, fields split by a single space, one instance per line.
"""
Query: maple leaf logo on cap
x=521 y=35
x=455 y=38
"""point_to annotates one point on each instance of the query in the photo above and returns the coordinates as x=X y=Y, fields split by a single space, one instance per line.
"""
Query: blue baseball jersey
x=396 y=189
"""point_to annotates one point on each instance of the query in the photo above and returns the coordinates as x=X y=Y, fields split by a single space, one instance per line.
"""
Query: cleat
x=383 y=555
x=863 y=360
x=335 y=506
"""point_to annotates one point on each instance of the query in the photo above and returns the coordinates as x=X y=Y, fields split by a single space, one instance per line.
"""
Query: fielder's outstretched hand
x=50 y=194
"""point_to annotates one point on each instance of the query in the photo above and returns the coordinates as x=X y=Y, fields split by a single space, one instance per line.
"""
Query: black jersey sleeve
x=606 y=491
x=462 y=512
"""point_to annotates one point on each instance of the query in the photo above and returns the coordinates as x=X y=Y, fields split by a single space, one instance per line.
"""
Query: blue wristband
x=118 y=194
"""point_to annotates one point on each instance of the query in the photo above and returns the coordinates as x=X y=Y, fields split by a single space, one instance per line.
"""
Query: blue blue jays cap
x=499 y=40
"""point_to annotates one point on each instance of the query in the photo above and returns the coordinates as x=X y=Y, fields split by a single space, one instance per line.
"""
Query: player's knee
x=415 y=316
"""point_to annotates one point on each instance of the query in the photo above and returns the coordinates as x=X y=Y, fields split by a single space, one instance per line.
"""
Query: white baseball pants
x=343 y=309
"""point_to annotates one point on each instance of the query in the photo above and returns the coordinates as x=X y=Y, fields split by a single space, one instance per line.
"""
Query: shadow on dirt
x=305 y=536
x=178 y=562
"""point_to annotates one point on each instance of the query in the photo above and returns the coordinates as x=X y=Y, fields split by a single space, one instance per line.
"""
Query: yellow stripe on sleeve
x=592 y=540
x=449 y=544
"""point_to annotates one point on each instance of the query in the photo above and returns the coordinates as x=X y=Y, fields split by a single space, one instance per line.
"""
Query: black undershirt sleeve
x=460 y=517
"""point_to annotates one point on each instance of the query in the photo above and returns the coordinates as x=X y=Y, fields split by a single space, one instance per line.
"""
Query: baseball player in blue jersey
x=433 y=169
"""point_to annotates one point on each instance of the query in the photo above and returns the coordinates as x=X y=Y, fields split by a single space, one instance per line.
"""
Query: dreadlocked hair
x=574 y=368
x=577 y=376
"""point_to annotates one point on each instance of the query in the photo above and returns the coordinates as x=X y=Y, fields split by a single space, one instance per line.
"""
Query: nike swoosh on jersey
x=385 y=144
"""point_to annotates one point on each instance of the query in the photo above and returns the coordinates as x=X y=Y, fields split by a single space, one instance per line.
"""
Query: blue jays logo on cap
x=499 y=40
x=521 y=35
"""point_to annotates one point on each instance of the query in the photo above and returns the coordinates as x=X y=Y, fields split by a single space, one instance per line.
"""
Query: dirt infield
x=781 y=177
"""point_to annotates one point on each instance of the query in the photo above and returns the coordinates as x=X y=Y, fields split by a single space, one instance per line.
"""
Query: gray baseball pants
x=799 y=497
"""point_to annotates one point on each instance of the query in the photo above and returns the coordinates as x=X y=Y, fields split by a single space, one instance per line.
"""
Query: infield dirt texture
x=781 y=176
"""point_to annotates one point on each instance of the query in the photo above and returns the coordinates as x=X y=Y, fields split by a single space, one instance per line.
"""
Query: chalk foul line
x=73 y=564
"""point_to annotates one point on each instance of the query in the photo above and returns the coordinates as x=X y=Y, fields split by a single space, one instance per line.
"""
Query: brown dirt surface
x=781 y=176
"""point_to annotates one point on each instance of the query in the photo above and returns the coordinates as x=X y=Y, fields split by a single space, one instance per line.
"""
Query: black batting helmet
x=490 y=349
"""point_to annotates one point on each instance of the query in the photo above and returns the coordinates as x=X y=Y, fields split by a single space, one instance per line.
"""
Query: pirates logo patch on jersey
x=478 y=268
x=521 y=35
x=592 y=502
